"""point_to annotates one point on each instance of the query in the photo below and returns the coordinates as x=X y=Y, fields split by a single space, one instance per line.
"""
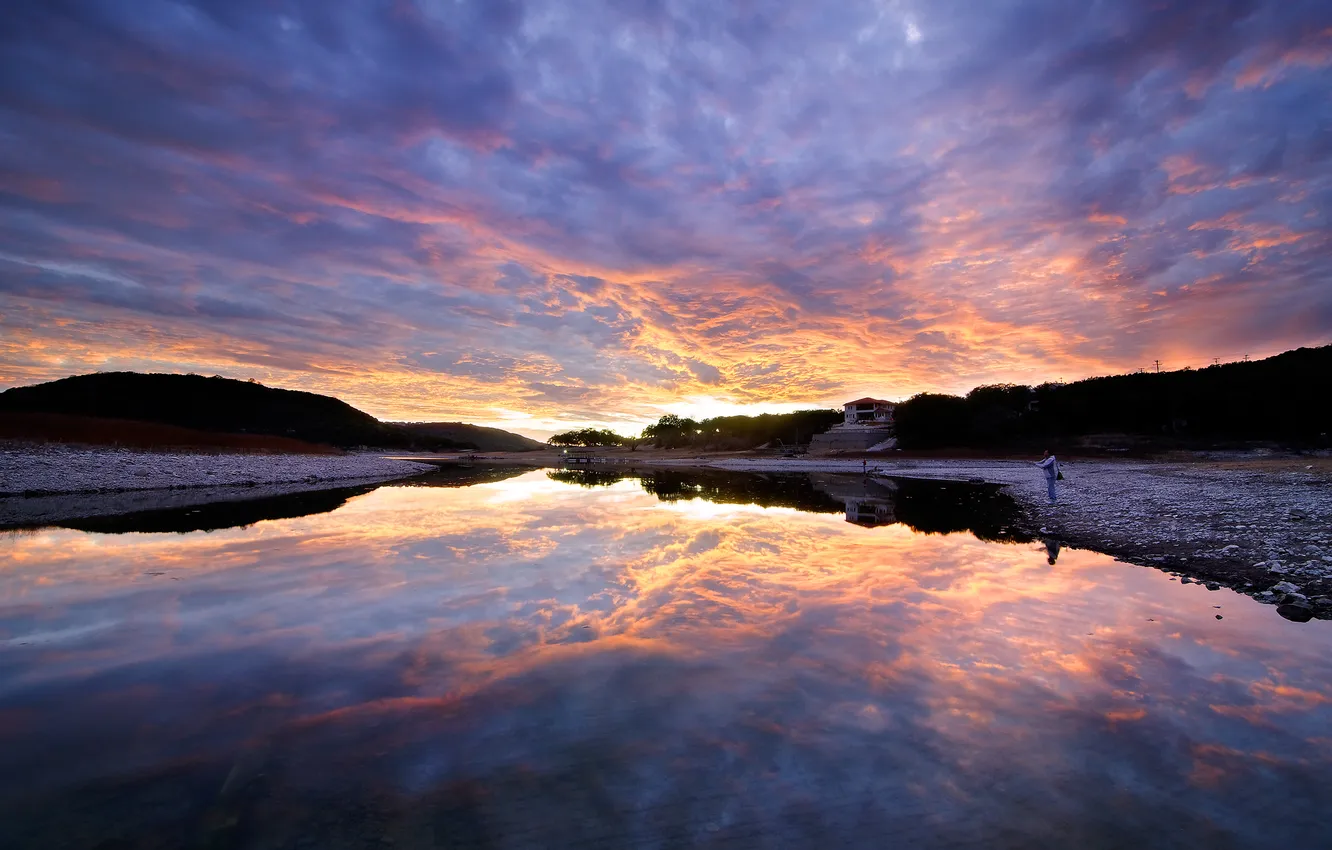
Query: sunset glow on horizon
x=545 y=215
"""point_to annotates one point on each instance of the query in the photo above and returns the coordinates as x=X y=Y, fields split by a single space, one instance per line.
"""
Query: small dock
x=580 y=457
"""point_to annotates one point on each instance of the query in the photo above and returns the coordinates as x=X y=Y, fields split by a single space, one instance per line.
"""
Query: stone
x=1285 y=587
x=1322 y=601
x=1228 y=550
x=1296 y=613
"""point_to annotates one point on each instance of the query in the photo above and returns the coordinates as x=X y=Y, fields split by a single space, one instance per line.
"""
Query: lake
x=530 y=658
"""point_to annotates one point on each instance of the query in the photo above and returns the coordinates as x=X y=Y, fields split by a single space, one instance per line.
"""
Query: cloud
x=433 y=209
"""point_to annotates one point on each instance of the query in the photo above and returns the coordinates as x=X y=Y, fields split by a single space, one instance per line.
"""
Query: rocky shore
x=52 y=483
x=1263 y=528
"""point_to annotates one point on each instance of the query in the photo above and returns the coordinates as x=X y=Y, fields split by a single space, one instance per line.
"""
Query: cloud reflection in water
x=523 y=661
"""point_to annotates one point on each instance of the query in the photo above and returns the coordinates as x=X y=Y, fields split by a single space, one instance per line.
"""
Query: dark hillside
x=150 y=436
x=205 y=404
x=474 y=436
x=219 y=405
x=1282 y=399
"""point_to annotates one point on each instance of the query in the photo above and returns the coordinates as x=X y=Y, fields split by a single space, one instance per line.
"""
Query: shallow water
x=573 y=660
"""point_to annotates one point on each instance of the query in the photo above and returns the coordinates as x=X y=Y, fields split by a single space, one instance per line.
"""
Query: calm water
x=572 y=660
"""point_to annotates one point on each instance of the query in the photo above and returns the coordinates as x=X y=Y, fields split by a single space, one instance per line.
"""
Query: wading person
x=1051 y=467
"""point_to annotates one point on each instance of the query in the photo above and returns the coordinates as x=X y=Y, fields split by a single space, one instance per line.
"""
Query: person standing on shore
x=1051 y=467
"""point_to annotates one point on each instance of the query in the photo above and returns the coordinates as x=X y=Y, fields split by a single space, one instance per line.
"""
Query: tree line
x=718 y=433
x=1282 y=398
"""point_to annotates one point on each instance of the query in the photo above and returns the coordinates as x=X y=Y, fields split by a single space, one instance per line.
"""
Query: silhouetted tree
x=672 y=432
x=1282 y=398
x=586 y=437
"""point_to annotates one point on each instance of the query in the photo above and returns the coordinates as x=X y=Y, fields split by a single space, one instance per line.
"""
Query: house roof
x=868 y=400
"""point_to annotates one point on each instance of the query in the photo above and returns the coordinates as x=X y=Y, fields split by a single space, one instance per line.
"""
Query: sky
x=543 y=215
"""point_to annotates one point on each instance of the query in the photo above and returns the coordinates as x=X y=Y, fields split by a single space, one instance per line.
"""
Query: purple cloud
x=437 y=208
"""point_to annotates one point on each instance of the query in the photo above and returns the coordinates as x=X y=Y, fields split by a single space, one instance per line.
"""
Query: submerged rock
x=1296 y=613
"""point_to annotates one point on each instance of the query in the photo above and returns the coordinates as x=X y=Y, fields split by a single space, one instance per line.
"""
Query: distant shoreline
x=1250 y=523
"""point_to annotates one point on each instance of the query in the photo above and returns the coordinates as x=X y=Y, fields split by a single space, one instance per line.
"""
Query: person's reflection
x=1052 y=548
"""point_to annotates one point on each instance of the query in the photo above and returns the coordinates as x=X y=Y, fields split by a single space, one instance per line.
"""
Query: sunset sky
x=542 y=214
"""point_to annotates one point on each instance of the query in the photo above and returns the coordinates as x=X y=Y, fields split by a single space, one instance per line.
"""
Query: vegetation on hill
x=224 y=405
x=150 y=436
x=477 y=437
x=740 y=432
x=1282 y=398
x=720 y=433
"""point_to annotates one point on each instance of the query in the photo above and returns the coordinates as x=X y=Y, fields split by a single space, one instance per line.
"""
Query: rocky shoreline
x=1262 y=529
x=46 y=484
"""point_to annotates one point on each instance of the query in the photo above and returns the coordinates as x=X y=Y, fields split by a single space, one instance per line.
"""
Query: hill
x=1281 y=399
x=224 y=405
x=476 y=436
x=152 y=436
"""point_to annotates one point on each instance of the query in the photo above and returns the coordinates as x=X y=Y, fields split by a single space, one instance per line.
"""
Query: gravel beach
x=1262 y=528
x=52 y=483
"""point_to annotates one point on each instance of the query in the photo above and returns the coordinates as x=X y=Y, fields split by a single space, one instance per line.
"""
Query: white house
x=874 y=412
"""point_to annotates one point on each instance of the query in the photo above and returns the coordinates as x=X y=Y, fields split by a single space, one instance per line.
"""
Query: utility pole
x=1216 y=361
x=1246 y=358
x=1158 y=366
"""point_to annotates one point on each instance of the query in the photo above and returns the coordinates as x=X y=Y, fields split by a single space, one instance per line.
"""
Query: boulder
x=1296 y=613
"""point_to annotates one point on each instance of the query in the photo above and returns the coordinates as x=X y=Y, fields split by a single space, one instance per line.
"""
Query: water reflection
x=1052 y=549
x=242 y=513
x=522 y=663
x=939 y=507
